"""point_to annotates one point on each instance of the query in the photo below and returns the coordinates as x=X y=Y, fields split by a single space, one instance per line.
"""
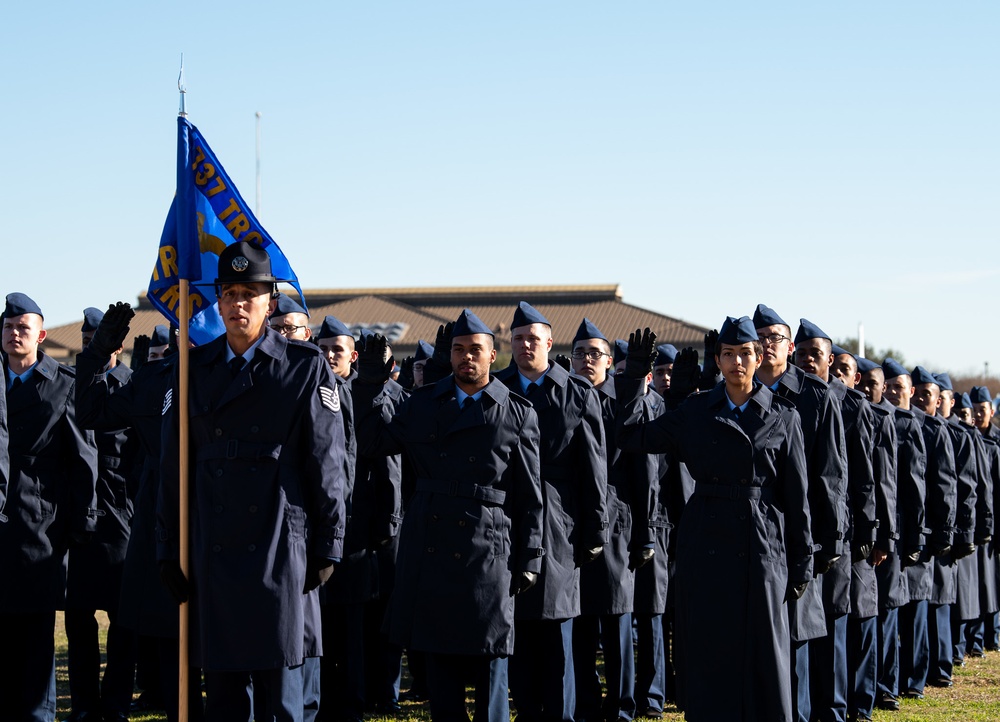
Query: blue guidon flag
x=206 y=215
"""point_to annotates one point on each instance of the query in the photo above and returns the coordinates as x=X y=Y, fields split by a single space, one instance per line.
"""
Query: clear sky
x=837 y=161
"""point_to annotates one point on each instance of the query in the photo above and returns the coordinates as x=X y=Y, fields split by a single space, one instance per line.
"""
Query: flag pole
x=183 y=321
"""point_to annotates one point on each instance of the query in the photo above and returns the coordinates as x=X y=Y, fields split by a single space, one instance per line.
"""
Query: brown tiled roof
x=407 y=315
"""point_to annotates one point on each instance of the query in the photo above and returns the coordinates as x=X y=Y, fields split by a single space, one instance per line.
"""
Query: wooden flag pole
x=184 y=506
x=183 y=528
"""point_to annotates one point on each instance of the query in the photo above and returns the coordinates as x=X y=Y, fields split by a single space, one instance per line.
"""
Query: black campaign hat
x=245 y=262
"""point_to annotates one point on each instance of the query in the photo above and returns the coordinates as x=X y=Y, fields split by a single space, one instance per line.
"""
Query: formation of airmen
x=808 y=529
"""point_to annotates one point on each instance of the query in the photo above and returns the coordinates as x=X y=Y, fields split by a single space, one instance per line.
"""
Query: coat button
x=743 y=481
x=444 y=455
x=217 y=548
x=742 y=554
x=457 y=555
x=204 y=408
x=218 y=472
x=432 y=437
x=218 y=508
x=472 y=459
x=743 y=517
x=461 y=522
x=711 y=552
x=434 y=517
x=252 y=509
x=252 y=548
x=254 y=429
x=218 y=432
x=715 y=480
x=430 y=550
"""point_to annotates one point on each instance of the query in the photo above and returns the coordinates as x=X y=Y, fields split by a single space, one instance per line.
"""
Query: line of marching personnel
x=811 y=527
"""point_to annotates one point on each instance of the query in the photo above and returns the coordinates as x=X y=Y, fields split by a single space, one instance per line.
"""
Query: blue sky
x=837 y=161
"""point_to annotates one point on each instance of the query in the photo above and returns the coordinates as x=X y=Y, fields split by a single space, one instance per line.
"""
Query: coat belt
x=465 y=489
x=236 y=449
x=732 y=491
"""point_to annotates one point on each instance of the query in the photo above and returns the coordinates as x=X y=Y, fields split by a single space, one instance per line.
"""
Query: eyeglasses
x=286 y=330
x=592 y=355
x=774 y=339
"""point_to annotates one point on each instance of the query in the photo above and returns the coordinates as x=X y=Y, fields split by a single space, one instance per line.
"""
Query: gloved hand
x=140 y=352
x=588 y=555
x=710 y=372
x=640 y=557
x=80 y=538
x=173 y=338
x=685 y=376
x=174 y=580
x=860 y=552
x=983 y=540
x=562 y=360
x=373 y=368
x=522 y=582
x=795 y=591
x=910 y=557
x=641 y=353
x=406 y=373
x=823 y=562
x=941 y=550
x=318 y=573
x=112 y=329
x=438 y=366
x=961 y=551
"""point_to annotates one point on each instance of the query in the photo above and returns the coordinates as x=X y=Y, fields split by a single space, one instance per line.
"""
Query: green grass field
x=974 y=698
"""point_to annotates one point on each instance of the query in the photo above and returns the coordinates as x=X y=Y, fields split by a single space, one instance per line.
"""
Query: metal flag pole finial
x=181 y=88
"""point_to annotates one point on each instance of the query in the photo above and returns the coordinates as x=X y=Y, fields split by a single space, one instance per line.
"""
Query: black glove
x=641 y=354
x=563 y=361
x=910 y=557
x=140 y=352
x=588 y=555
x=318 y=573
x=373 y=368
x=522 y=582
x=112 y=330
x=710 y=371
x=941 y=550
x=640 y=558
x=860 y=552
x=173 y=338
x=961 y=551
x=174 y=580
x=823 y=562
x=795 y=591
x=685 y=376
x=983 y=540
x=406 y=373
x=80 y=538
x=438 y=366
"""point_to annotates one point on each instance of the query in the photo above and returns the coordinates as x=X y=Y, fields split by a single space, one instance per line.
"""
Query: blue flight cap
x=944 y=381
x=841 y=351
x=424 y=351
x=620 y=350
x=469 y=323
x=765 y=316
x=666 y=353
x=525 y=315
x=891 y=368
x=865 y=364
x=91 y=319
x=920 y=375
x=19 y=303
x=962 y=401
x=586 y=331
x=160 y=337
x=737 y=331
x=287 y=304
x=980 y=395
x=808 y=330
x=332 y=327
